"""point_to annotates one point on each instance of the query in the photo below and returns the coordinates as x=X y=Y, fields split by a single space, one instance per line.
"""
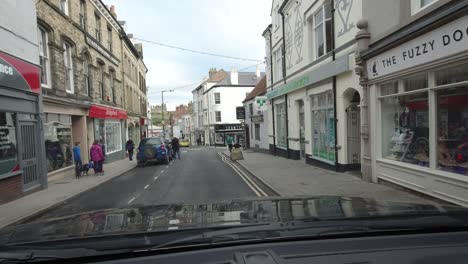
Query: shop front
x=419 y=112
x=222 y=131
x=22 y=160
x=109 y=128
x=133 y=128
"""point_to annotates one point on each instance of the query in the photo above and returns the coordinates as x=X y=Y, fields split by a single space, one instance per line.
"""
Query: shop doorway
x=29 y=153
x=353 y=114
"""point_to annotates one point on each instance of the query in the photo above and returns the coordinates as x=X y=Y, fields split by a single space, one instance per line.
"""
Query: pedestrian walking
x=130 y=146
x=77 y=159
x=229 y=142
x=176 y=147
x=199 y=141
x=103 y=148
x=97 y=157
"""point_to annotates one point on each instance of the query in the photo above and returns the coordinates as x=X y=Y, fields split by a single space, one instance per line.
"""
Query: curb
x=53 y=206
x=256 y=177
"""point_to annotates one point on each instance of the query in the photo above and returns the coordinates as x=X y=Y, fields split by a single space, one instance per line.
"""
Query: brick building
x=82 y=51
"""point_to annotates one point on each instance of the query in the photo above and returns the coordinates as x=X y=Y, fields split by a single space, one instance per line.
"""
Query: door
x=302 y=128
x=29 y=161
x=354 y=137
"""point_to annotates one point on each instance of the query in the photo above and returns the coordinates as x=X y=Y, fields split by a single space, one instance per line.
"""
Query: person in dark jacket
x=129 y=147
x=77 y=159
x=176 y=146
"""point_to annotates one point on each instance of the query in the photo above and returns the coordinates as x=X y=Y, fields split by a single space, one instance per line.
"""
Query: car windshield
x=171 y=119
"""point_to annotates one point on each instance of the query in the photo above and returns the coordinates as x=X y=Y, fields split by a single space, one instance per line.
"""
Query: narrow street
x=201 y=175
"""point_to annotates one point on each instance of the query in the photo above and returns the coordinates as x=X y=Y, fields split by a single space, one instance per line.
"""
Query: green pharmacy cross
x=261 y=102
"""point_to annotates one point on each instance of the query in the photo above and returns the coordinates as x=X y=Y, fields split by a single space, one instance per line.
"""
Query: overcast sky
x=229 y=27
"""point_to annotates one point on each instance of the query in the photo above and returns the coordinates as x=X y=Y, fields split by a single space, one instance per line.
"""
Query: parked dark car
x=152 y=150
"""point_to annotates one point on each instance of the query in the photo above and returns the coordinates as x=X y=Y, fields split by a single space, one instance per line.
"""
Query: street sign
x=240 y=112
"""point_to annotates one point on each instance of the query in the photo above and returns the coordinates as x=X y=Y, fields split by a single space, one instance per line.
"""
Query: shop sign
x=143 y=121
x=99 y=111
x=101 y=50
x=321 y=73
x=19 y=74
x=444 y=41
x=240 y=112
x=257 y=119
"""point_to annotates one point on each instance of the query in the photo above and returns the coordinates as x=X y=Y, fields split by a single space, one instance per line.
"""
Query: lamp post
x=162 y=107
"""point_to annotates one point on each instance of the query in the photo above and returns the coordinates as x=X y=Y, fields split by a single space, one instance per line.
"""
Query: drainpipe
x=283 y=50
x=271 y=61
x=334 y=81
x=273 y=121
x=287 y=123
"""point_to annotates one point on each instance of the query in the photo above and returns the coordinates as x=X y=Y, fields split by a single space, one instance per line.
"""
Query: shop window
x=323 y=127
x=68 y=64
x=257 y=131
x=109 y=132
x=58 y=141
x=44 y=57
x=452 y=119
x=281 y=120
x=405 y=128
x=8 y=143
x=416 y=82
x=452 y=75
x=389 y=88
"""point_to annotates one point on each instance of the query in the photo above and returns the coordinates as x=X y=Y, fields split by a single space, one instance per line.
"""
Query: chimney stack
x=139 y=48
x=212 y=72
x=112 y=11
x=234 y=77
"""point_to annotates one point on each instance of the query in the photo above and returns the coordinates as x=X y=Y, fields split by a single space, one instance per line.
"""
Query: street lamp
x=162 y=107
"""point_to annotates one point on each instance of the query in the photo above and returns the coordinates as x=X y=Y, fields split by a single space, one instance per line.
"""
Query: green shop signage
x=318 y=74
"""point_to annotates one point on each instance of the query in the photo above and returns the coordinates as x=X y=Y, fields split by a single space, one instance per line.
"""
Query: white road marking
x=172 y=228
x=146 y=187
x=167 y=166
x=257 y=190
x=155 y=178
x=162 y=171
x=184 y=151
x=131 y=200
x=174 y=221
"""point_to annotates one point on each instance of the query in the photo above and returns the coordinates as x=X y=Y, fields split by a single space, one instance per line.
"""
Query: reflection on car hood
x=201 y=215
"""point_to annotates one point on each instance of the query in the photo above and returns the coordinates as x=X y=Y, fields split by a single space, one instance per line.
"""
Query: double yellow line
x=257 y=190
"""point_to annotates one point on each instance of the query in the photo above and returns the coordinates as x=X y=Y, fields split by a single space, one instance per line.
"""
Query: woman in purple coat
x=97 y=156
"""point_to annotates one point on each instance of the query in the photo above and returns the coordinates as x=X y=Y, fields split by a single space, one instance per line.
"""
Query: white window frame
x=218 y=114
x=97 y=27
x=323 y=23
x=101 y=82
x=106 y=122
x=87 y=78
x=64 y=7
x=279 y=63
x=43 y=37
x=112 y=76
x=68 y=67
x=109 y=39
x=82 y=14
x=416 y=6
x=217 y=100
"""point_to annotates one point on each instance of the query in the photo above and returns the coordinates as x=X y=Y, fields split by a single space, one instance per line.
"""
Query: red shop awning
x=100 y=111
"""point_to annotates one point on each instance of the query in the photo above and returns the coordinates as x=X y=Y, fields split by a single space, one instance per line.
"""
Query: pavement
x=293 y=177
x=60 y=190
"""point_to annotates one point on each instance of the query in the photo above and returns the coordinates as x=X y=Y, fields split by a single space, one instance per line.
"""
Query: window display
x=8 y=144
x=110 y=132
x=281 y=119
x=323 y=126
x=405 y=128
x=58 y=141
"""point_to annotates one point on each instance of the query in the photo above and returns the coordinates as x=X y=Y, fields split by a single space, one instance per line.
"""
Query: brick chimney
x=112 y=11
x=212 y=72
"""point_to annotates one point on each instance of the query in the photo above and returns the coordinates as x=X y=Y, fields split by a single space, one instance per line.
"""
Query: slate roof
x=260 y=89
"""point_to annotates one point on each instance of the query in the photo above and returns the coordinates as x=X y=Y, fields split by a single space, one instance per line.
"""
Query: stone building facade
x=81 y=46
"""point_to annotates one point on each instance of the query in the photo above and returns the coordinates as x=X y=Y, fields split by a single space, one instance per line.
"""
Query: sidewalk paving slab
x=293 y=177
x=59 y=190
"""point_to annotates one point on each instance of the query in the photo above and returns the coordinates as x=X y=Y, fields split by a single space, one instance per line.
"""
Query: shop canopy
x=105 y=112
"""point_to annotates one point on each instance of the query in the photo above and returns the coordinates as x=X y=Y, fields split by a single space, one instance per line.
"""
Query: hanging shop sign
x=240 y=113
x=444 y=41
x=100 y=111
x=19 y=74
x=257 y=119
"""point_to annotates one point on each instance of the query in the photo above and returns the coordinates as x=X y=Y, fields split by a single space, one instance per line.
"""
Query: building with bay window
x=22 y=160
x=413 y=68
x=313 y=96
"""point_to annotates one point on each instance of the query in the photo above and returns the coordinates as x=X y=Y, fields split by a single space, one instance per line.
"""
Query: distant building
x=256 y=118
x=215 y=101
